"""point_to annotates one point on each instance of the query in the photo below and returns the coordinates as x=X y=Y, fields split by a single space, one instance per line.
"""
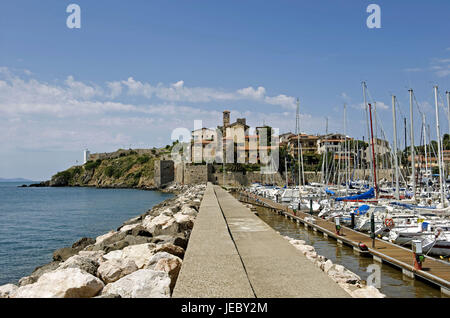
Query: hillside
x=129 y=169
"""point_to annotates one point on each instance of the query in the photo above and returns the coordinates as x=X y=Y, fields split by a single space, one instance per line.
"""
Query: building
x=308 y=144
x=246 y=148
x=203 y=145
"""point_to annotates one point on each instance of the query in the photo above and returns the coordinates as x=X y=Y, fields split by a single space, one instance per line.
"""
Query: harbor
x=435 y=271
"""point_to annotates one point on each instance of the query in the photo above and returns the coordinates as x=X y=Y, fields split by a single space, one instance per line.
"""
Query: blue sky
x=138 y=69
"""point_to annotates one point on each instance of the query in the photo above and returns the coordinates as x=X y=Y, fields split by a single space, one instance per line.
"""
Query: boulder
x=62 y=283
x=296 y=242
x=128 y=228
x=367 y=292
x=341 y=275
x=140 y=254
x=39 y=271
x=327 y=266
x=161 y=224
x=7 y=290
x=140 y=231
x=108 y=296
x=127 y=241
x=26 y=280
x=113 y=255
x=83 y=242
x=96 y=256
x=134 y=220
x=178 y=240
x=168 y=263
x=311 y=255
x=171 y=249
x=114 y=269
x=103 y=237
x=84 y=263
x=144 y=283
x=188 y=210
x=64 y=253
x=186 y=222
x=304 y=248
x=157 y=257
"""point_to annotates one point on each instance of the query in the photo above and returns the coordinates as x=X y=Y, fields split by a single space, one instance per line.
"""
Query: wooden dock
x=434 y=271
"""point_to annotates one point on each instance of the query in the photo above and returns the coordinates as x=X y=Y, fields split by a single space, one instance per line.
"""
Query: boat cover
x=363 y=196
x=362 y=209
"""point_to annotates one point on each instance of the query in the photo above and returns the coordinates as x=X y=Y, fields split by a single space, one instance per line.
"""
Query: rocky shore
x=346 y=279
x=141 y=258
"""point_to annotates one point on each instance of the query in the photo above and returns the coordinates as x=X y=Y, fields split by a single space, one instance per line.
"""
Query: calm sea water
x=36 y=221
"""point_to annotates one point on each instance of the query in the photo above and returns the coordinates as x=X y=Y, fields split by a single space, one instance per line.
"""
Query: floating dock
x=434 y=271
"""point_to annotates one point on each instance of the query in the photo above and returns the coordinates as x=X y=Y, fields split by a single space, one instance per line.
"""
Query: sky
x=136 y=70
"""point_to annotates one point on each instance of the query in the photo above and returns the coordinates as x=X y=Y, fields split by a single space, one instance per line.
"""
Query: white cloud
x=282 y=100
x=250 y=92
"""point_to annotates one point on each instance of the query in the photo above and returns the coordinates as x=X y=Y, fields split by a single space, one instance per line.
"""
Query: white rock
x=187 y=210
x=117 y=254
x=81 y=262
x=160 y=225
x=297 y=242
x=114 y=269
x=128 y=227
x=181 y=218
x=304 y=248
x=339 y=268
x=96 y=256
x=158 y=256
x=140 y=253
x=311 y=255
x=327 y=266
x=367 y=292
x=103 y=237
x=144 y=283
x=62 y=283
x=7 y=290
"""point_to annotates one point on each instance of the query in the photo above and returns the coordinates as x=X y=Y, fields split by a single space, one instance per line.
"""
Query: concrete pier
x=233 y=253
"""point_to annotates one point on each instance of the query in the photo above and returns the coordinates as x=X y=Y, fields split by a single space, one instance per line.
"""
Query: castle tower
x=226 y=119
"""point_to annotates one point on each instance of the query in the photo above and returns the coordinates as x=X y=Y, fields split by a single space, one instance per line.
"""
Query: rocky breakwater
x=142 y=258
x=346 y=279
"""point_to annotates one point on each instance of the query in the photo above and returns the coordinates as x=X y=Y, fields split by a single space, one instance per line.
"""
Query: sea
x=36 y=221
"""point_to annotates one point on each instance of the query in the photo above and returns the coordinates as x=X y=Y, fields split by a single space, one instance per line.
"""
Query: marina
x=434 y=271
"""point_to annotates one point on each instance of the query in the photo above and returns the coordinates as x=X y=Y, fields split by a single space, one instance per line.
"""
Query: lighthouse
x=86 y=156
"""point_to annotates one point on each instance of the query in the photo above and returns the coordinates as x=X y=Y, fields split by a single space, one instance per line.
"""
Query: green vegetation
x=127 y=169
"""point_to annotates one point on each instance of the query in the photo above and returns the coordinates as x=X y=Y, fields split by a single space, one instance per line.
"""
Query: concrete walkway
x=211 y=266
x=232 y=253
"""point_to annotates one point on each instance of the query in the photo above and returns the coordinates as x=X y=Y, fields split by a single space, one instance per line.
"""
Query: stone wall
x=196 y=174
x=164 y=172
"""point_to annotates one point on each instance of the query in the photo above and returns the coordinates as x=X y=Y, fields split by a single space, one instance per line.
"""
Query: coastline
x=146 y=248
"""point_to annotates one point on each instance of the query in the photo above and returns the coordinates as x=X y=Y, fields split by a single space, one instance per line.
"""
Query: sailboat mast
x=425 y=142
x=345 y=148
x=448 y=109
x=413 y=166
x=438 y=134
x=367 y=124
x=394 y=121
x=373 y=151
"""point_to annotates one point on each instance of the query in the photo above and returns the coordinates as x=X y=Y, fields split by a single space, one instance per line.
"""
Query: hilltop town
x=236 y=154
